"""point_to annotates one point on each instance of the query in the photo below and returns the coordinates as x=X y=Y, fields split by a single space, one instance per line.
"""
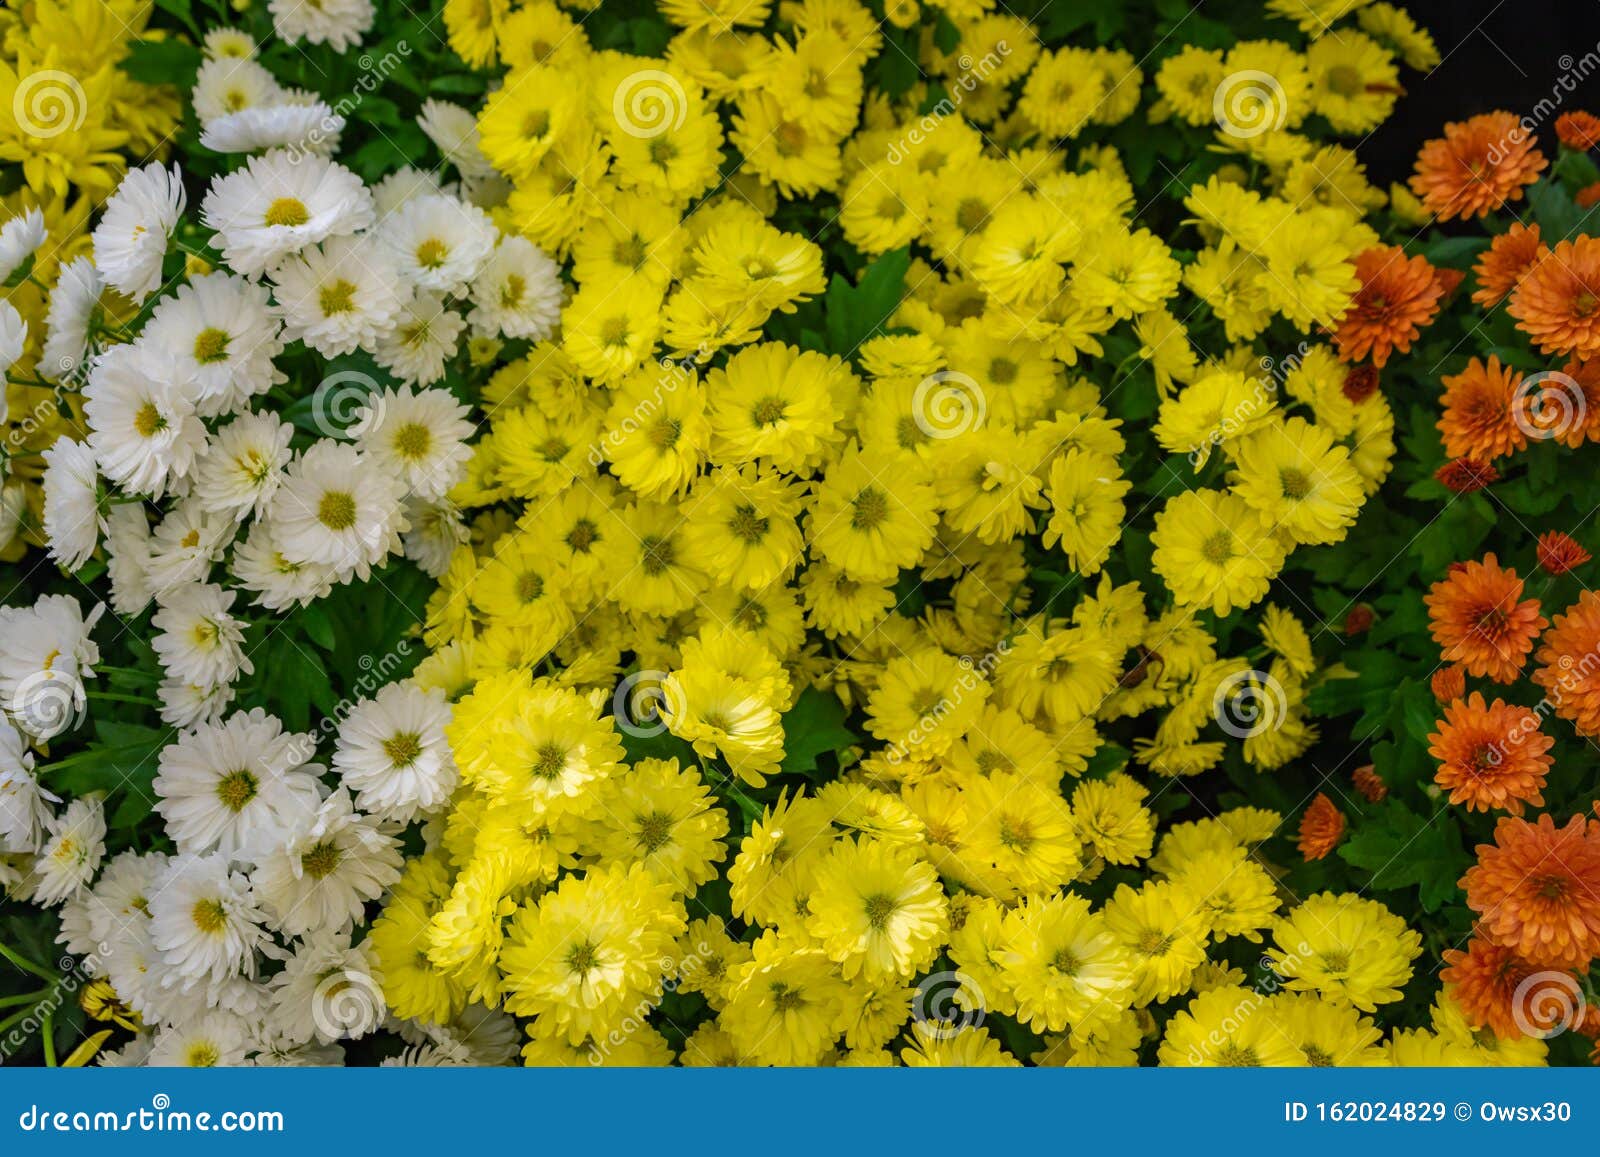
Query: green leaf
x=855 y=312
x=1402 y=850
x=162 y=62
x=813 y=727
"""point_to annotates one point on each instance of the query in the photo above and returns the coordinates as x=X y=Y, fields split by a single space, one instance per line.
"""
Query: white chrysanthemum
x=421 y=437
x=142 y=423
x=278 y=584
x=66 y=326
x=314 y=127
x=218 y=1039
x=20 y=238
x=273 y=1052
x=437 y=528
x=24 y=804
x=518 y=293
x=45 y=655
x=131 y=239
x=204 y=922
x=242 y=466
x=316 y=877
x=120 y=899
x=221 y=336
x=134 y=967
x=392 y=752
x=489 y=1035
x=338 y=509
x=339 y=297
x=133 y=1055
x=72 y=514
x=454 y=132
x=190 y=705
x=229 y=84
x=400 y=186
x=338 y=23
x=13 y=340
x=200 y=642
x=327 y=991
x=278 y=204
x=75 y=843
x=128 y=558
x=424 y=338
x=185 y=543
x=241 y=787
x=228 y=43
x=438 y=242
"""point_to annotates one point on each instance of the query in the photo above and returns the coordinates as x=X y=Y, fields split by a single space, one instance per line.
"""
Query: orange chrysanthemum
x=1360 y=383
x=1484 y=414
x=1467 y=475
x=1578 y=130
x=1502 y=265
x=1569 y=664
x=1491 y=757
x=1476 y=167
x=1477 y=621
x=1557 y=301
x=1484 y=981
x=1370 y=784
x=1449 y=683
x=1560 y=552
x=1536 y=890
x=1398 y=297
x=1321 y=828
x=1588 y=196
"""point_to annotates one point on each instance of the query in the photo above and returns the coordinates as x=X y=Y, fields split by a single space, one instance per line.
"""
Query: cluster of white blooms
x=188 y=474
x=236 y=947
x=239 y=944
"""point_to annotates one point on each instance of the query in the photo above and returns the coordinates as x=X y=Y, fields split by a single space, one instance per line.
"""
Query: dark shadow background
x=1498 y=54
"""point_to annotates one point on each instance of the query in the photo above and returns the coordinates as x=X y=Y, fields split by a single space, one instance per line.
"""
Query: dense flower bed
x=713 y=532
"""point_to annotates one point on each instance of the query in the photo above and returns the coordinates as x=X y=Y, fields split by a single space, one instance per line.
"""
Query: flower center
x=287 y=211
x=211 y=346
x=236 y=789
x=337 y=510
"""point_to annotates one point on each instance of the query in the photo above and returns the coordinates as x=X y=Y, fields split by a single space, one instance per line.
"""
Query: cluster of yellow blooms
x=70 y=121
x=748 y=522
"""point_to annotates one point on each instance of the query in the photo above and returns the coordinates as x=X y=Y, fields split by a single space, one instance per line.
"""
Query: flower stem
x=27 y=965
